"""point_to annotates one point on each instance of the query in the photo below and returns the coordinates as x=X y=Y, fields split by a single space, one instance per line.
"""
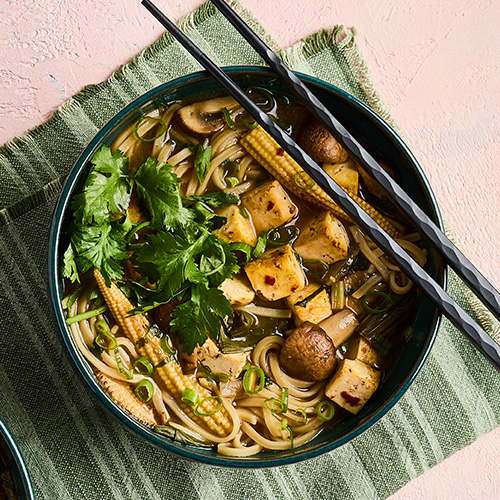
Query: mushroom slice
x=321 y=145
x=308 y=353
x=205 y=117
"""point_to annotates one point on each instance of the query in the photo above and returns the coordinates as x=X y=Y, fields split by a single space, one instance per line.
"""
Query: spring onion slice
x=246 y=379
x=228 y=119
x=202 y=414
x=260 y=247
x=165 y=345
x=284 y=398
x=286 y=427
x=325 y=410
x=104 y=337
x=268 y=106
x=303 y=413
x=244 y=212
x=134 y=230
x=250 y=126
x=128 y=375
x=316 y=269
x=101 y=326
x=147 y=387
x=244 y=248
x=387 y=299
x=190 y=396
x=87 y=315
x=274 y=405
x=143 y=366
x=297 y=179
x=231 y=181
x=283 y=235
x=143 y=118
x=74 y=296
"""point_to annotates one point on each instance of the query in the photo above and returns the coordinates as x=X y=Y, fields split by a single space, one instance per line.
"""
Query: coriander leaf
x=170 y=260
x=216 y=200
x=99 y=246
x=107 y=188
x=158 y=186
x=218 y=262
x=70 y=270
x=202 y=161
x=207 y=217
x=200 y=314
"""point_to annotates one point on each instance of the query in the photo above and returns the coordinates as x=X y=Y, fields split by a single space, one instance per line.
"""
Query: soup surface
x=218 y=294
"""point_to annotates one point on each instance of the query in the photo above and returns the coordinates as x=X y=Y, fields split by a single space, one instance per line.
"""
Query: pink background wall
x=437 y=65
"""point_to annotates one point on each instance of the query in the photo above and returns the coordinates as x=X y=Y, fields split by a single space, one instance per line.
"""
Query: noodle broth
x=262 y=403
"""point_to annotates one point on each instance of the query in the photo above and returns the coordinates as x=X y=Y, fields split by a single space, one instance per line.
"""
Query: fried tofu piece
x=361 y=350
x=269 y=206
x=237 y=290
x=353 y=384
x=218 y=362
x=237 y=228
x=325 y=239
x=315 y=310
x=277 y=274
x=344 y=174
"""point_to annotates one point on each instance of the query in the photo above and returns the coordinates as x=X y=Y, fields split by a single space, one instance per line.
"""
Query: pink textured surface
x=435 y=63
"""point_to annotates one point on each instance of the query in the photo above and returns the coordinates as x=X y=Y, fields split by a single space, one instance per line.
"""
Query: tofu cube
x=352 y=385
x=344 y=174
x=324 y=239
x=237 y=227
x=340 y=326
x=218 y=362
x=269 y=206
x=361 y=350
x=314 y=310
x=277 y=274
x=237 y=290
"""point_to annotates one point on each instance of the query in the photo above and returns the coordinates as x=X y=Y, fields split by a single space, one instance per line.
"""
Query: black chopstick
x=443 y=301
x=430 y=231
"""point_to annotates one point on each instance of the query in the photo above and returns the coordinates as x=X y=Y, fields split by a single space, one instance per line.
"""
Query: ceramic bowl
x=15 y=473
x=380 y=140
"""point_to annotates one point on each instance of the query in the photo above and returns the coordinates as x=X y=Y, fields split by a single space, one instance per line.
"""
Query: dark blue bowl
x=380 y=140
x=15 y=464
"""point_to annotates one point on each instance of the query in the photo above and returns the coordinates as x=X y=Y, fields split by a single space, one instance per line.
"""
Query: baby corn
x=136 y=328
x=278 y=163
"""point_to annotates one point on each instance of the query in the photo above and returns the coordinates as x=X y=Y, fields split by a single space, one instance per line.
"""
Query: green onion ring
x=228 y=119
x=303 y=413
x=128 y=375
x=149 y=390
x=164 y=343
x=250 y=126
x=388 y=301
x=260 y=247
x=244 y=212
x=141 y=119
x=147 y=369
x=328 y=414
x=105 y=335
x=86 y=315
x=284 y=398
x=134 y=230
x=190 y=396
x=262 y=380
x=245 y=248
x=101 y=326
x=232 y=181
x=198 y=413
x=324 y=266
x=274 y=405
x=302 y=186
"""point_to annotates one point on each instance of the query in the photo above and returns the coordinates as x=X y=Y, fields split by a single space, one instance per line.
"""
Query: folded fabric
x=73 y=448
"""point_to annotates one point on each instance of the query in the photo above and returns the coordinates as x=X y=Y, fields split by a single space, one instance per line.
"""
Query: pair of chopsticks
x=451 y=255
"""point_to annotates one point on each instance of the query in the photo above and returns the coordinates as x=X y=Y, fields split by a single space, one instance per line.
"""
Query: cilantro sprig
x=182 y=258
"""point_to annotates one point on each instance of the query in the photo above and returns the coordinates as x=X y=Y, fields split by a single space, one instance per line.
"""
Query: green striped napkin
x=72 y=447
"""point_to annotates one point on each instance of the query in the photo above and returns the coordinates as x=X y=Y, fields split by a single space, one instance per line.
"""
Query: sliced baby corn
x=137 y=330
x=124 y=395
x=279 y=164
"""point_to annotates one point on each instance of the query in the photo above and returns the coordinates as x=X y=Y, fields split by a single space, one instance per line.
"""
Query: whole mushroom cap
x=308 y=353
x=320 y=145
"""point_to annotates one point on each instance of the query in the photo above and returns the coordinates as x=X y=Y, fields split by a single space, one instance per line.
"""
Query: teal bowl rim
x=20 y=474
x=55 y=287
